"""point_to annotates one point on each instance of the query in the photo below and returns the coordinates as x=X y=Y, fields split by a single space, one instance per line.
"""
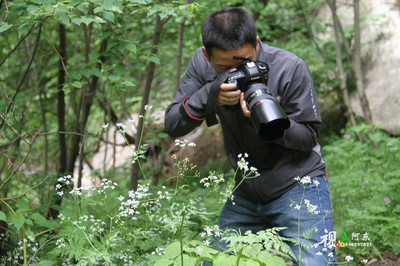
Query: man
x=229 y=36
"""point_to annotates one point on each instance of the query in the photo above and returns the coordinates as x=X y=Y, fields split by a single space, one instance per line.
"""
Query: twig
x=22 y=161
x=23 y=78
x=34 y=254
x=26 y=192
x=16 y=46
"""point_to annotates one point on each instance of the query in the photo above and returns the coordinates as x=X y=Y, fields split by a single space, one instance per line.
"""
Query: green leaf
x=87 y=20
x=163 y=262
x=172 y=250
x=5 y=27
x=131 y=48
x=128 y=83
x=18 y=220
x=98 y=9
x=23 y=206
x=30 y=234
x=108 y=15
x=24 y=28
x=154 y=59
x=46 y=263
x=77 y=21
x=224 y=259
x=77 y=84
x=162 y=135
x=62 y=17
x=114 y=78
x=187 y=260
x=40 y=220
x=3 y=216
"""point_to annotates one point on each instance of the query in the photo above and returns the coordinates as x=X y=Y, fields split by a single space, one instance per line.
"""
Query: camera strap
x=211 y=106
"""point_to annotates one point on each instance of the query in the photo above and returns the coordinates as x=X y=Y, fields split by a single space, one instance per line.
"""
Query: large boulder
x=380 y=52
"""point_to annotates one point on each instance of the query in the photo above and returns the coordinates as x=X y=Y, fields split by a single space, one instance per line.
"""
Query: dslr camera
x=267 y=115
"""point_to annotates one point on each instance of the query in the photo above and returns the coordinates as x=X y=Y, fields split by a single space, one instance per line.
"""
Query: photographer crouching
x=265 y=100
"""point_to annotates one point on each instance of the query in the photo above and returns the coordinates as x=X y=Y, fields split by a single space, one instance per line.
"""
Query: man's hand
x=244 y=107
x=228 y=95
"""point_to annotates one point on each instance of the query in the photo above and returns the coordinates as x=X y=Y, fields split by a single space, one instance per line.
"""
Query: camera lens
x=268 y=117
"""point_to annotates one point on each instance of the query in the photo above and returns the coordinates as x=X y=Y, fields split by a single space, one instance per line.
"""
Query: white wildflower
x=387 y=200
x=199 y=251
x=316 y=183
x=348 y=258
x=305 y=180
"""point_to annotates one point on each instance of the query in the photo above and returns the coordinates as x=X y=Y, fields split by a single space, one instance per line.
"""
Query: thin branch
x=57 y=53
x=310 y=33
x=23 y=78
x=22 y=161
x=6 y=7
x=16 y=46
x=26 y=192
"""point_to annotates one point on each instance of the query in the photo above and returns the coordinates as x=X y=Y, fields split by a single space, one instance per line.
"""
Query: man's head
x=227 y=33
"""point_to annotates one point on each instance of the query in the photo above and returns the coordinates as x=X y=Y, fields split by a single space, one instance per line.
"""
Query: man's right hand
x=228 y=94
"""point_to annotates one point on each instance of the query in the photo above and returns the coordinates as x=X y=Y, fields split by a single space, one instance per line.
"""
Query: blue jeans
x=244 y=215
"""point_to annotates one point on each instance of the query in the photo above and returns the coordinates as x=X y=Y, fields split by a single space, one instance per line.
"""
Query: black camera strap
x=211 y=106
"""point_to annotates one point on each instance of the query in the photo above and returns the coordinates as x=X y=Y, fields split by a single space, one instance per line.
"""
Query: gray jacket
x=297 y=153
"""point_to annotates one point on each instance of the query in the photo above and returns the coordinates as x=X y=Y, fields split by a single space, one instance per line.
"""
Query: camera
x=267 y=115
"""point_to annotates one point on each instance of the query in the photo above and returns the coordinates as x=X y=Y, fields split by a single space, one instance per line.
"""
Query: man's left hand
x=244 y=107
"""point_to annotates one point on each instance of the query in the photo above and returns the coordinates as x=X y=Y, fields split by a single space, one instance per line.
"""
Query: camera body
x=268 y=117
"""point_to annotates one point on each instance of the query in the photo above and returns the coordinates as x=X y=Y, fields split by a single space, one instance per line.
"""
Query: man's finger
x=227 y=86
x=244 y=107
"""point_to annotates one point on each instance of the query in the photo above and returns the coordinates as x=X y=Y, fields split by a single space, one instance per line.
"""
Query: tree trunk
x=145 y=99
x=357 y=65
x=62 y=62
x=82 y=127
x=74 y=150
x=339 y=63
x=179 y=53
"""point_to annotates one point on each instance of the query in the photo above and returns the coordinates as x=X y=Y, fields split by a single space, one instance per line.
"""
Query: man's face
x=223 y=60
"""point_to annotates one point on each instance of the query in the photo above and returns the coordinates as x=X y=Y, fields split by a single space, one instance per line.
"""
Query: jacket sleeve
x=300 y=103
x=187 y=110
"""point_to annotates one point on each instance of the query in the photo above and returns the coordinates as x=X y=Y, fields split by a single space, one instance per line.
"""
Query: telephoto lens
x=268 y=117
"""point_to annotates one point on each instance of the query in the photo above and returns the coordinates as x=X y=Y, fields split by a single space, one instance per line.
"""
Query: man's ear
x=258 y=40
x=205 y=53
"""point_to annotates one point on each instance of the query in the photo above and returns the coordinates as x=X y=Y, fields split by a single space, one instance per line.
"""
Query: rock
x=380 y=52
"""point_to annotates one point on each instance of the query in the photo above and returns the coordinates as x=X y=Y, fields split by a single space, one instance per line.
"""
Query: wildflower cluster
x=16 y=256
x=121 y=128
x=89 y=224
x=139 y=153
x=67 y=180
x=164 y=194
x=306 y=180
x=129 y=208
x=104 y=186
x=159 y=251
x=209 y=233
x=212 y=179
x=312 y=209
x=243 y=165
x=184 y=143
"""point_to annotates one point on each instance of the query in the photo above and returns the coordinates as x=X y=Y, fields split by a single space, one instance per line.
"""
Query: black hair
x=227 y=29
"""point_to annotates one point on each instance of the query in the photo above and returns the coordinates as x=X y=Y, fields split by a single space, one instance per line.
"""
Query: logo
x=356 y=239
